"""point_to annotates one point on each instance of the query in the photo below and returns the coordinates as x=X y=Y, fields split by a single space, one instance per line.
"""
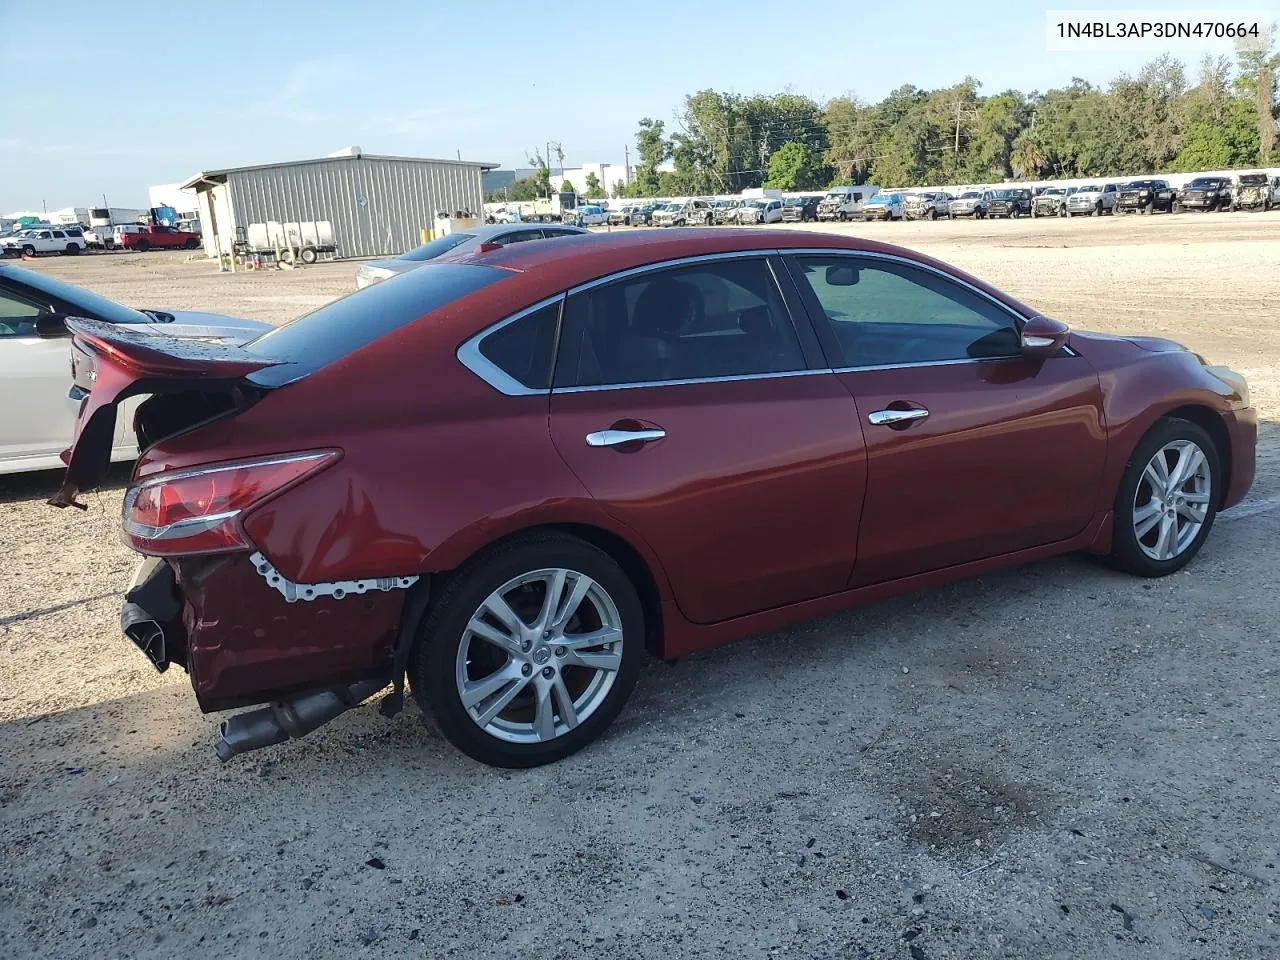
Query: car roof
x=549 y=268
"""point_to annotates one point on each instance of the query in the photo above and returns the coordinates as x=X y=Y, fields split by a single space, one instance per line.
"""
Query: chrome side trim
x=469 y=355
x=293 y=592
x=684 y=383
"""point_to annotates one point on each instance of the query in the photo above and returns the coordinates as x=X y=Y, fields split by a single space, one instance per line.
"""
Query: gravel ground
x=1054 y=762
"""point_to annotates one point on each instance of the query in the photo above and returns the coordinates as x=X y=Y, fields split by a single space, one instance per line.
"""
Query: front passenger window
x=882 y=313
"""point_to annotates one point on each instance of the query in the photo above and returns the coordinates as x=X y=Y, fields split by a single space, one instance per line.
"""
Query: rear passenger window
x=523 y=349
x=722 y=318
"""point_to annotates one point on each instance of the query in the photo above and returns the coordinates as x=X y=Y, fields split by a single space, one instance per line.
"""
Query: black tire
x=308 y=255
x=432 y=670
x=1126 y=552
x=72 y=249
x=108 y=244
x=28 y=250
x=143 y=246
x=1177 y=207
x=190 y=243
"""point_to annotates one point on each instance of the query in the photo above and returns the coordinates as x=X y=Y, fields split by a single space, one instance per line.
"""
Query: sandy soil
x=1055 y=762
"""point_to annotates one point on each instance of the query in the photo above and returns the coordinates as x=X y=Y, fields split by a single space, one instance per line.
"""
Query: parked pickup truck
x=928 y=206
x=1010 y=203
x=1253 y=191
x=1092 y=199
x=158 y=237
x=1051 y=202
x=681 y=213
x=1204 y=193
x=889 y=205
x=1145 y=196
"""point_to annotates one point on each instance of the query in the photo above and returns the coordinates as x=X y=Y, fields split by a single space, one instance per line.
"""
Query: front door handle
x=887 y=418
x=614 y=438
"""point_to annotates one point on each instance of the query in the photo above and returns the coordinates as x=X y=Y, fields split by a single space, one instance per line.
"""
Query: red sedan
x=511 y=475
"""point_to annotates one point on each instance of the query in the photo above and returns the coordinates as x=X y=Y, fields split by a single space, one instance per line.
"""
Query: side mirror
x=1043 y=337
x=51 y=325
x=842 y=275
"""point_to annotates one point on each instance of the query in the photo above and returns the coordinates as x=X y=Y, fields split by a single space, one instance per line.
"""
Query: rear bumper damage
x=246 y=637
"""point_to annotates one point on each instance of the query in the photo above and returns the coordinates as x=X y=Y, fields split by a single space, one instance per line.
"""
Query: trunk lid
x=127 y=362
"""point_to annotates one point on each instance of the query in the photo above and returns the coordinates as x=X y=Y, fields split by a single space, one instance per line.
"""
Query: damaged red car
x=510 y=477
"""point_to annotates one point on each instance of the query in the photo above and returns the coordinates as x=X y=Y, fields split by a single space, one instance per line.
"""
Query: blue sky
x=130 y=94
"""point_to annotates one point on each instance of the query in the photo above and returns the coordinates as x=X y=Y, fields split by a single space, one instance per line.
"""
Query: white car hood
x=194 y=323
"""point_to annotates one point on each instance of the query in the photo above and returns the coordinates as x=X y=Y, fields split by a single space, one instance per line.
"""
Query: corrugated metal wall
x=377 y=207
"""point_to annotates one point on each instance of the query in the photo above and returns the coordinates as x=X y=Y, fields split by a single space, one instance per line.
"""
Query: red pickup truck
x=157 y=237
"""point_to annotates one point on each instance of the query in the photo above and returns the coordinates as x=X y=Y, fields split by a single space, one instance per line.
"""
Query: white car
x=591 y=216
x=760 y=211
x=36 y=357
x=44 y=240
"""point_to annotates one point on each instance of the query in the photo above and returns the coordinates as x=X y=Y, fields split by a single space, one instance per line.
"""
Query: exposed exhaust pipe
x=285 y=719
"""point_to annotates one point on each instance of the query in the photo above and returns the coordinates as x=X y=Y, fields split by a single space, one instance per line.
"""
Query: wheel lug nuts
x=526 y=646
x=546 y=635
x=526 y=670
x=548 y=672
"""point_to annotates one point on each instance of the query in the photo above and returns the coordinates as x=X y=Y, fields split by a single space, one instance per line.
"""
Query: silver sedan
x=460 y=244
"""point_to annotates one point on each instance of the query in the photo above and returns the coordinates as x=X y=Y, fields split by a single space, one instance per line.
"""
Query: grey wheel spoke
x=1168 y=538
x=488 y=633
x=1157 y=474
x=544 y=720
x=1195 y=512
x=499 y=608
x=596 y=638
x=1145 y=518
x=1189 y=461
x=565 y=613
x=593 y=659
x=1194 y=497
x=500 y=703
x=551 y=600
x=564 y=703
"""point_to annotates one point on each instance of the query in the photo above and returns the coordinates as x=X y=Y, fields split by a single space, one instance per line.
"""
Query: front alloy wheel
x=530 y=651
x=1167 y=500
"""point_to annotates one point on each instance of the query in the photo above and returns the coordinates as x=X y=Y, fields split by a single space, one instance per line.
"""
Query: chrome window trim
x=684 y=383
x=469 y=354
x=893 y=258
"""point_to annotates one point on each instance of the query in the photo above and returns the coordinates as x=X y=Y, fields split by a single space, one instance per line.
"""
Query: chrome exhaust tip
x=289 y=719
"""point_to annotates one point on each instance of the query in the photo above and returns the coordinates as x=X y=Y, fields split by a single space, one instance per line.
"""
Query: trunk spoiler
x=128 y=362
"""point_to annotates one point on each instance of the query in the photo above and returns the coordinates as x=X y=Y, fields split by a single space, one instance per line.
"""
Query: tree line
x=1157 y=120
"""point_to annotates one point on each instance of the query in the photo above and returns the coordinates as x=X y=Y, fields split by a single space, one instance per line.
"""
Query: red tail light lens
x=199 y=510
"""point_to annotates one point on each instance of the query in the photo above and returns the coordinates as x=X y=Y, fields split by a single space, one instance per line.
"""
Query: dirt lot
x=1055 y=762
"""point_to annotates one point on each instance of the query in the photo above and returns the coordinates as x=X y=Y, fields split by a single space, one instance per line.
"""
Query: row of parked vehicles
x=1247 y=191
x=72 y=239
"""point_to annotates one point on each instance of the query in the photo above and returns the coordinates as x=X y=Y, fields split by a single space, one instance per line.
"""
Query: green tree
x=1258 y=63
x=652 y=149
x=1027 y=156
x=518 y=190
x=541 y=174
x=797 y=166
x=594 y=189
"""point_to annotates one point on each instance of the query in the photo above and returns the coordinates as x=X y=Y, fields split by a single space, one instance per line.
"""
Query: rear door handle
x=613 y=438
x=887 y=418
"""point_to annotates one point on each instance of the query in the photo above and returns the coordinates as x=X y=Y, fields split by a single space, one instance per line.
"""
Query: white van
x=845 y=203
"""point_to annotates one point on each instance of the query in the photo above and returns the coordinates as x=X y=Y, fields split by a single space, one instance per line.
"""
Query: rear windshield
x=317 y=339
x=437 y=247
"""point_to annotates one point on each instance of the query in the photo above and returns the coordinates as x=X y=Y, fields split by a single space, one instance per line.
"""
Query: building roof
x=219 y=176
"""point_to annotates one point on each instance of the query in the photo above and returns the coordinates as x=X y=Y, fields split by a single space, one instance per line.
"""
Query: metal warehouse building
x=374 y=205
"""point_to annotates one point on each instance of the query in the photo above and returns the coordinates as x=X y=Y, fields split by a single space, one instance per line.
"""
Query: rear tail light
x=200 y=510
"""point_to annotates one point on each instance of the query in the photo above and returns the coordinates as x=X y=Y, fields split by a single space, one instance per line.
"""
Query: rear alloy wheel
x=28 y=250
x=1167 y=500
x=143 y=246
x=530 y=651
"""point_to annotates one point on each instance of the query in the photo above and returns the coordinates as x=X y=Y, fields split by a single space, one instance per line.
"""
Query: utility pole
x=626 y=164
